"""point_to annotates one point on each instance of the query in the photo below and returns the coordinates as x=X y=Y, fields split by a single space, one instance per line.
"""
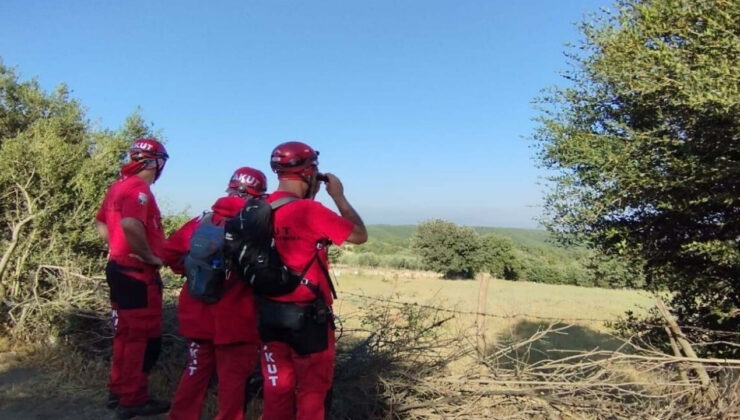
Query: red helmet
x=296 y=158
x=247 y=180
x=145 y=154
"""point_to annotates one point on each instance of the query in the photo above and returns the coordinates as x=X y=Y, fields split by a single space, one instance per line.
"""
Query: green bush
x=541 y=273
x=335 y=254
x=390 y=247
x=447 y=248
x=525 y=255
x=401 y=262
x=497 y=257
x=172 y=222
x=368 y=260
x=614 y=272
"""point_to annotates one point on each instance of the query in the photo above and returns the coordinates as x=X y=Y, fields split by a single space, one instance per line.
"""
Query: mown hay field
x=509 y=302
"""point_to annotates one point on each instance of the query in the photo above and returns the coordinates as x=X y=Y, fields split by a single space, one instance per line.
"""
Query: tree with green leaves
x=54 y=171
x=645 y=144
x=447 y=248
x=497 y=257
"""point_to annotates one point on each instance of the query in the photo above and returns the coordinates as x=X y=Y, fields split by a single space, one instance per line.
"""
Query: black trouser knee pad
x=327 y=401
x=151 y=354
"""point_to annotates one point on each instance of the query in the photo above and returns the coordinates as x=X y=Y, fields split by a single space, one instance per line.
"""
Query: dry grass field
x=508 y=302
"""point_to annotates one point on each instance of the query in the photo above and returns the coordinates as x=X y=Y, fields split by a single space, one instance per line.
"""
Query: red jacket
x=233 y=318
x=131 y=197
x=299 y=226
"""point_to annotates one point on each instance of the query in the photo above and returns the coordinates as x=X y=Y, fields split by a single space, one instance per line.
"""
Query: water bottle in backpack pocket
x=205 y=269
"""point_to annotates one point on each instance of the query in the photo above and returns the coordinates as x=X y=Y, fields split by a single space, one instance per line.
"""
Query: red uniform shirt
x=299 y=226
x=233 y=318
x=131 y=197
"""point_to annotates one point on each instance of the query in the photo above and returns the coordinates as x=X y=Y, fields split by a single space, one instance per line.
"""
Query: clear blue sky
x=422 y=108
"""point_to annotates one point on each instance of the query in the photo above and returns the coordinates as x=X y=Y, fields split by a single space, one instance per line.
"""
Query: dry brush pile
x=406 y=367
x=632 y=382
x=404 y=361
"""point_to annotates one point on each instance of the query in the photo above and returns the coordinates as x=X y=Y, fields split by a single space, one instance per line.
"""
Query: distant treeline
x=506 y=253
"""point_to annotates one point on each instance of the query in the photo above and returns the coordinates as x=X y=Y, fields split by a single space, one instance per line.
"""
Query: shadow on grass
x=357 y=391
x=562 y=341
x=22 y=396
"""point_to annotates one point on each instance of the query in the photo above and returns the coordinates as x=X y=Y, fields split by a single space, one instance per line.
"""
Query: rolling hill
x=535 y=256
x=536 y=238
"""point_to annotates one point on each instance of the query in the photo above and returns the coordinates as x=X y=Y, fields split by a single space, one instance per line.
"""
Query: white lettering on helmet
x=142 y=145
x=246 y=179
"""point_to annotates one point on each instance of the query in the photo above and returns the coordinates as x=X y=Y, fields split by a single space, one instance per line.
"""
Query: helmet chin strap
x=157 y=168
x=312 y=190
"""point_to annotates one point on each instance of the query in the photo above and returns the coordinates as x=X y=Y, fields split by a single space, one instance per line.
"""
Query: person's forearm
x=348 y=212
x=102 y=229
x=359 y=232
x=336 y=191
x=135 y=234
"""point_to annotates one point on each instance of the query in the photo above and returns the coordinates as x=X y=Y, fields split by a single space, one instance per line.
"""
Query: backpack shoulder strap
x=317 y=259
x=282 y=201
x=207 y=217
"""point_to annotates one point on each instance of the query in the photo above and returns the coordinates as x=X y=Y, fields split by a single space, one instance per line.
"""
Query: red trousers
x=295 y=386
x=137 y=340
x=233 y=363
x=136 y=345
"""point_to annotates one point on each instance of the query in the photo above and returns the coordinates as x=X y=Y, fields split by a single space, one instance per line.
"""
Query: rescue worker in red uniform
x=222 y=337
x=129 y=220
x=297 y=376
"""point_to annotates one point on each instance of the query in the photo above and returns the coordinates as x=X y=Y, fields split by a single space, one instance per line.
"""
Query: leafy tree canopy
x=54 y=171
x=447 y=248
x=645 y=145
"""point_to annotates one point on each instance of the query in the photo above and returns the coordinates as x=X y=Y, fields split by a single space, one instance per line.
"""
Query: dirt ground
x=25 y=394
x=22 y=395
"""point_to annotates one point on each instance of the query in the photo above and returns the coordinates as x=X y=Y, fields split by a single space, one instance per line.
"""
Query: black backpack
x=249 y=248
x=205 y=267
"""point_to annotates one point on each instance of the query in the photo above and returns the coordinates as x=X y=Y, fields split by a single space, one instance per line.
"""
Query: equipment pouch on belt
x=288 y=316
x=305 y=327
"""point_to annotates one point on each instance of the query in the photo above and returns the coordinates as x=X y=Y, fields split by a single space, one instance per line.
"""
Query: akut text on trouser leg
x=187 y=404
x=295 y=386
